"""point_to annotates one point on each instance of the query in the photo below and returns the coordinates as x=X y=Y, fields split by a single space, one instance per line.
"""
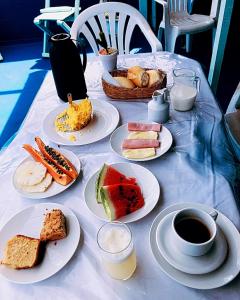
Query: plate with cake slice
x=141 y=141
x=37 y=242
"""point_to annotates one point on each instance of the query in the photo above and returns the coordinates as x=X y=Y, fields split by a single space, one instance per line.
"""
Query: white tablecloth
x=198 y=168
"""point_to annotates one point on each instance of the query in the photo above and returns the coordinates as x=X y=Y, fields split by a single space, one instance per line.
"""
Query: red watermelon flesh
x=121 y=199
x=108 y=176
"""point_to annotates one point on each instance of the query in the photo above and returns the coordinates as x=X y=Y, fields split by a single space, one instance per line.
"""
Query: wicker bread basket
x=135 y=94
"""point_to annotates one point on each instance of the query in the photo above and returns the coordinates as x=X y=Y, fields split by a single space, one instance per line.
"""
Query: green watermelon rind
x=99 y=182
x=108 y=207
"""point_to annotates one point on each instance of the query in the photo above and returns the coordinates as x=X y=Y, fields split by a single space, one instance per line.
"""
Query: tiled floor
x=21 y=73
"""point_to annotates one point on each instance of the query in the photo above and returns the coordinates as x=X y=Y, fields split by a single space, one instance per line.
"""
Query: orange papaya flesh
x=57 y=158
x=53 y=170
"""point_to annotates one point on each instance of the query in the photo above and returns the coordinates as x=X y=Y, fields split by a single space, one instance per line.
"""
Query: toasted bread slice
x=21 y=252
x=54 y=226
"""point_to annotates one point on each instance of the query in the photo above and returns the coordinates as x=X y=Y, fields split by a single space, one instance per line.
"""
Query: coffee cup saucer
x=189 y=264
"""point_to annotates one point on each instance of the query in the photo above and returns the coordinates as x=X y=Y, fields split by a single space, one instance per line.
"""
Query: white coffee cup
x=207 y=220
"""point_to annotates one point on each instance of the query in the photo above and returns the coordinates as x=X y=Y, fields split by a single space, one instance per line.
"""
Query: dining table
x=198 y=168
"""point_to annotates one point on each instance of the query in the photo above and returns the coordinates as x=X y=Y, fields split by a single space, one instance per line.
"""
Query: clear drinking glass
x=117 y=251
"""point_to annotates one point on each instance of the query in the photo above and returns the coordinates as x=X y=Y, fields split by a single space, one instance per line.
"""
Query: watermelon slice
x=108 y=176
x=121 y=199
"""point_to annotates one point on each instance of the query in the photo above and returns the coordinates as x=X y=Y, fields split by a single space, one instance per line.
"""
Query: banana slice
x=30 y=173
x=40 y=187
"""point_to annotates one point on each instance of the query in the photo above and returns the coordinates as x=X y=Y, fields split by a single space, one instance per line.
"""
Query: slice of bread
x=21 y=252
x=54 y=226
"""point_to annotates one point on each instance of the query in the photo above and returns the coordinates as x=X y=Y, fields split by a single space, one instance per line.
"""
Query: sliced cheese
x=139 y=153
x=147 y=135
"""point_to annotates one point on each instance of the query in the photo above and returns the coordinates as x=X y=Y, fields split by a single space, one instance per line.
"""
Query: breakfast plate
x=105 y=120
x=147 y=182
x=189 y=264
x=121 y=133
x=57 y=254
x=221 y=276
x=55 y=188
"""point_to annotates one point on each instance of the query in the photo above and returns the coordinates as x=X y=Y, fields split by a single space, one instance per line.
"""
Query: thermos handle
x=82 y=49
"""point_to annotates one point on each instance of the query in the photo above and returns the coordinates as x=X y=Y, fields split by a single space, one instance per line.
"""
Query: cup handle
x=214 y=214
x=197 y=81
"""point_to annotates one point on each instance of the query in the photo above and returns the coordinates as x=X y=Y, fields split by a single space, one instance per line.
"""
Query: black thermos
x=67 y=68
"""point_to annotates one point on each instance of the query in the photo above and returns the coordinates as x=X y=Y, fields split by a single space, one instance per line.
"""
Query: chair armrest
x=154 y=42
x=166 y=16
x=162 y=2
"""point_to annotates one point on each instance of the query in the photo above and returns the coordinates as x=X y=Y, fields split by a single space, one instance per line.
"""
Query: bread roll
x=138 y=75
x=154 y=77
x=124 y=82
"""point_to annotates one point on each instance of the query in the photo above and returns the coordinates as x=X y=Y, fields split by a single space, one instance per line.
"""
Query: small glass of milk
x=184 y=90
x=117 y=251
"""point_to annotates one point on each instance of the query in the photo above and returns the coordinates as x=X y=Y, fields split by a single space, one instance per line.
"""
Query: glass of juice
x=117 y=251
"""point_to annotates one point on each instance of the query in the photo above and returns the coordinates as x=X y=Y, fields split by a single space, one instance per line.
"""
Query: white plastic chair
x=104 y=14
x=60 y=15
x=232 y=122
x=177 y=21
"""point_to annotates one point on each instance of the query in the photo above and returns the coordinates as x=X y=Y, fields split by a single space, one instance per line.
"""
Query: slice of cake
x=21 y=252
x=54 y=226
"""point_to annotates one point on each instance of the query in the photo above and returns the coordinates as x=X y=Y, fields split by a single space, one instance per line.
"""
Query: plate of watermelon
x=122 y=191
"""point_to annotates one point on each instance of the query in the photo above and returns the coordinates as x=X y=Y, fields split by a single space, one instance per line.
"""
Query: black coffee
x=192 y=230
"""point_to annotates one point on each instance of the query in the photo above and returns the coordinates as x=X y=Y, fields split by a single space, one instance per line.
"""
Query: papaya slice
x=57 y=158
x=53 y=170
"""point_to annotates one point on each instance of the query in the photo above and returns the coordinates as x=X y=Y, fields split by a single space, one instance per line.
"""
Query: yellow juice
x=122 y=269
x=117 y=251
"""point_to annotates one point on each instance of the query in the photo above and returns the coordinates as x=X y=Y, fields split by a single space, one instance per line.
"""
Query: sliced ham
x=140 y=143
x=143 y=127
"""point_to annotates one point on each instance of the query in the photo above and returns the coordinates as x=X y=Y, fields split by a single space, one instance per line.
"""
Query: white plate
x=223 y=275
x=55 y=188
x=105 y=120
x=121 y=133
x=147 y=182
x=189 y=264
x=29 y=222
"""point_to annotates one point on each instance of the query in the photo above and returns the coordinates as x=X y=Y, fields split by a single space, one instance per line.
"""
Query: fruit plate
x=29 y=222
x=121 y=133
x=147 y=182
x=55 y=188
x=105 y=120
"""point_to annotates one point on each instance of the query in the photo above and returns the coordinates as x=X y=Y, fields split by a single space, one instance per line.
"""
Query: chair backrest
x=235 y=101
x=117 y=20
x=76 y=7
x=177 y=6
x=232 y=122
x=181 y=6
